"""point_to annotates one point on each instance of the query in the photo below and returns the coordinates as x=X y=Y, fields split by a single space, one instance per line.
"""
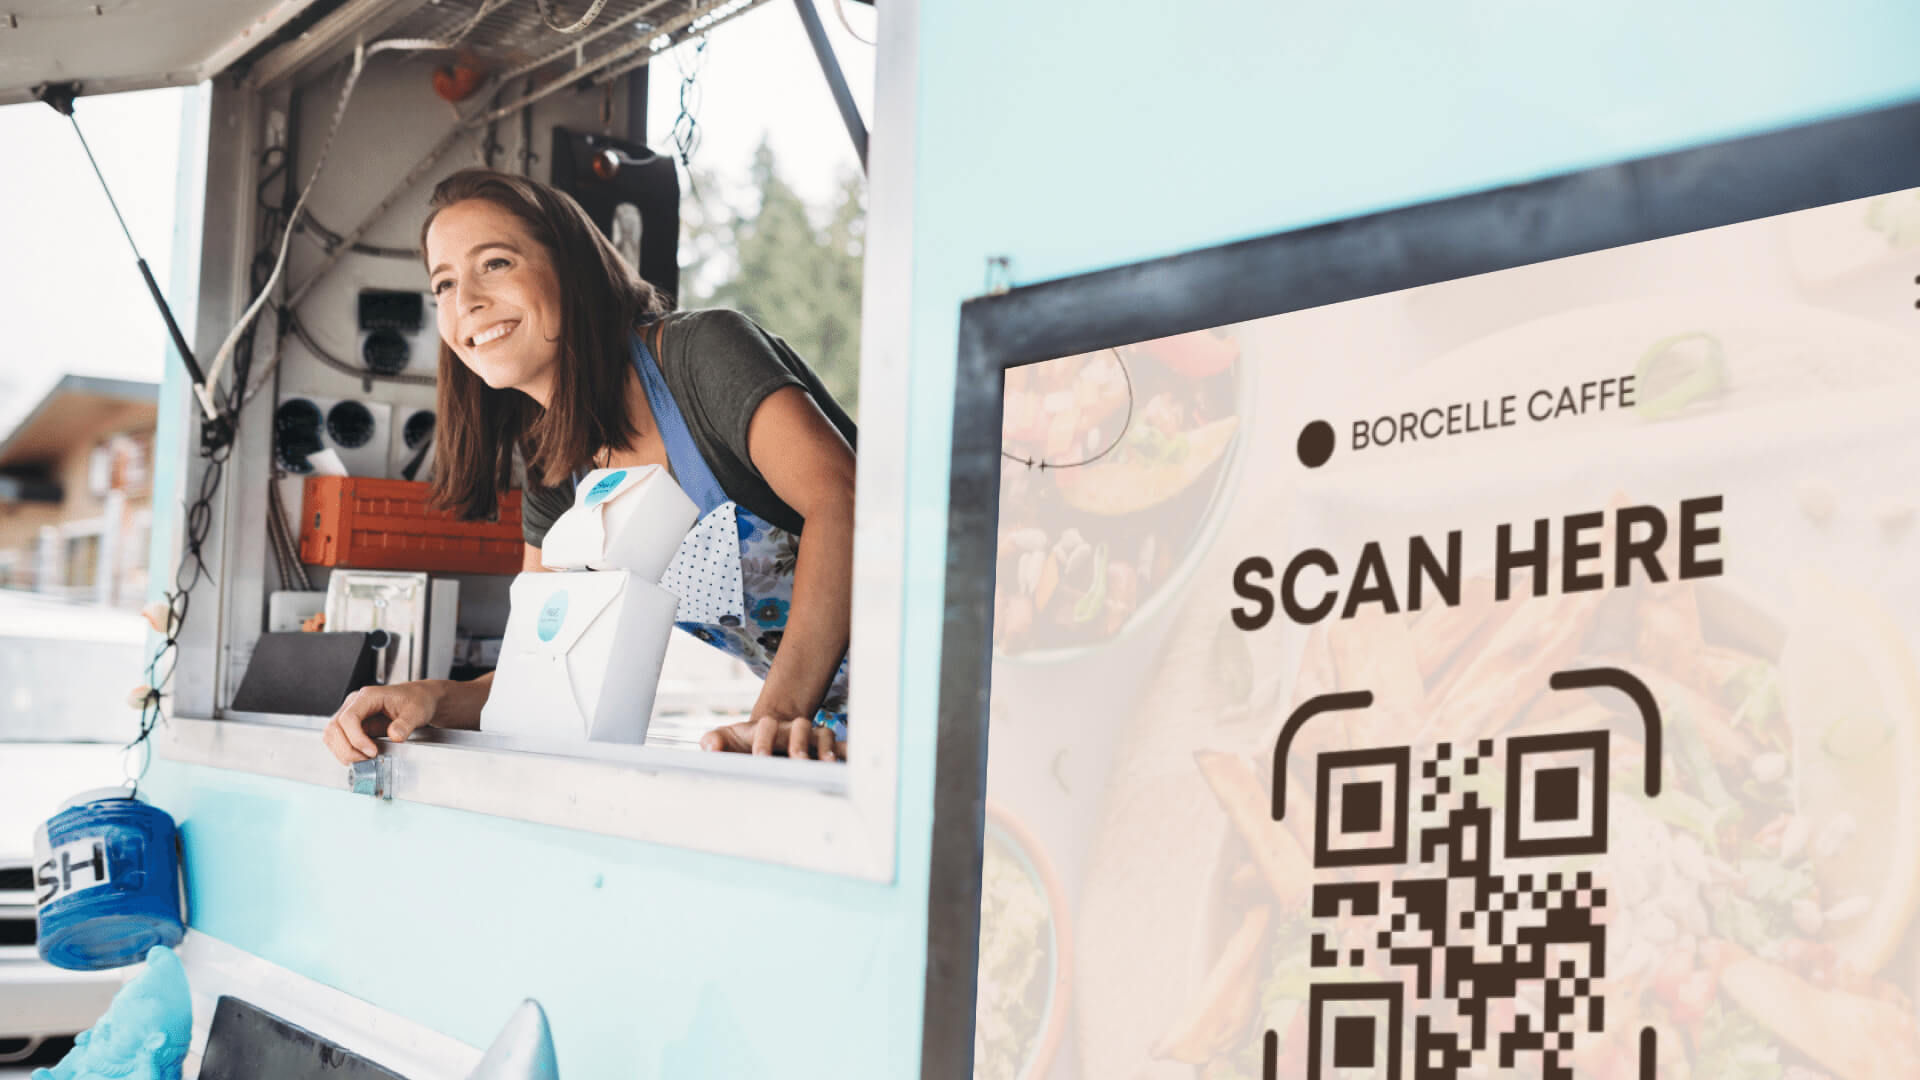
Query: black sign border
x=1704 y=187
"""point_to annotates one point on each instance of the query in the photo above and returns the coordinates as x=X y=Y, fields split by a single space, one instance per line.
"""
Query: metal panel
x=116 y=45
x=508 y=37
x=225 y=249
x=1666 y=195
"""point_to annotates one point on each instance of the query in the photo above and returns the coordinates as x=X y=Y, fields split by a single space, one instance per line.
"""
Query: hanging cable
x=286 y=544
x=330 y=240
x=547 y=15
x=840 y=9
x=686 y=126
x=252 y=312
x=299 y=330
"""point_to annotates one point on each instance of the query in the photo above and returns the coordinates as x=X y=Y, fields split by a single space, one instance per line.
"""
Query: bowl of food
x=1026 y=953
x=1114 y=474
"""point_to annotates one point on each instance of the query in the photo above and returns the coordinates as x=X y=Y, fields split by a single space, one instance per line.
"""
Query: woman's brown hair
x=602 y=297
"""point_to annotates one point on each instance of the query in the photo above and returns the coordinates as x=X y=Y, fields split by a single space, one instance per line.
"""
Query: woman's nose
x=471 y=296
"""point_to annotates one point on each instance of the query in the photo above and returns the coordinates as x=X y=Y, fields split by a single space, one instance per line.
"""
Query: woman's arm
x=810 y=466
x=407 y=707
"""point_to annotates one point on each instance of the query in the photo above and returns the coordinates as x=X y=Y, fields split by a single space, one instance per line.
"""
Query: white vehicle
x=64 y=675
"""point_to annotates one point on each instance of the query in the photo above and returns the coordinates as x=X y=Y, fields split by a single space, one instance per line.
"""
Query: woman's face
x=497 y=296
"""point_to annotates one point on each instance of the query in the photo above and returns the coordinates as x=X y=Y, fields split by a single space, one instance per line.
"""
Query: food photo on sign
x=1527 y=686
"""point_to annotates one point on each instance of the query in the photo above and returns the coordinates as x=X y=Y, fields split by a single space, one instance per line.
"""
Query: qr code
x=1458 y=917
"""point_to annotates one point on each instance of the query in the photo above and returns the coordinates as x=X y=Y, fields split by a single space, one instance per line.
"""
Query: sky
x=71 y=298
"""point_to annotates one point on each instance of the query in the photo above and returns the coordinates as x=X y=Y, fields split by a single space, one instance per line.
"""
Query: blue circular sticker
x=607 y=485
x=552 y=614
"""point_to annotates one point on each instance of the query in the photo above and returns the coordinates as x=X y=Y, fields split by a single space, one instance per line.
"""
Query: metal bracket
x=999 y=275
x=373 y=777
x=58 y=95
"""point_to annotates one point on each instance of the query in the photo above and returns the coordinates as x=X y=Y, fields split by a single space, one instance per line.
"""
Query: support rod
x=836 y=82
x=61 y=97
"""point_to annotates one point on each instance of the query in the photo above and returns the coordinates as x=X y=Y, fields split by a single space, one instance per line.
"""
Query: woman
x=551 y=344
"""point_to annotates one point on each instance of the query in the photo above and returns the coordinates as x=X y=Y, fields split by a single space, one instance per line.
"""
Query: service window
x=655 y=120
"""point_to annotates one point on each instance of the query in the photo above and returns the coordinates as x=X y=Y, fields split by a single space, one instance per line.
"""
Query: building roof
x=77 y=407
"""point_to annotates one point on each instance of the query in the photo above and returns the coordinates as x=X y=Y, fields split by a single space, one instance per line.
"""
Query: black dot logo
x=1316 y=444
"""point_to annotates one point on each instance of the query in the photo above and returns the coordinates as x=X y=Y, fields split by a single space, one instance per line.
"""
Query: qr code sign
x=1459 y=916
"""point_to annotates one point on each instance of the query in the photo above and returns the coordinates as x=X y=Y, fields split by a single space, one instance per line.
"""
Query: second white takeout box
x=582 y=656
x=621 y=519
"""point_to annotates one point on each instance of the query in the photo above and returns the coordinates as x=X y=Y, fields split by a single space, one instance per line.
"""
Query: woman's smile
x=492 y=333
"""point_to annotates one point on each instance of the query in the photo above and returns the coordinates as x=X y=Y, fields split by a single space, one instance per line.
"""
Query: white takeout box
x=621 y=519
x=581 y=658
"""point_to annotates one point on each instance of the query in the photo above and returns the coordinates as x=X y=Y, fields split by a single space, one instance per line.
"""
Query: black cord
x=330 y=240
x=291 y=321
x=215 y=451
x=686 y=127
x=1035 y=463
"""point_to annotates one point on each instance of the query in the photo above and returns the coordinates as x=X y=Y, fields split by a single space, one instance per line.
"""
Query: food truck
x=1385 y=547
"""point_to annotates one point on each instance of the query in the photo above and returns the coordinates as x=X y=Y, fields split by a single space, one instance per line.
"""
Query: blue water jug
x=106 y=879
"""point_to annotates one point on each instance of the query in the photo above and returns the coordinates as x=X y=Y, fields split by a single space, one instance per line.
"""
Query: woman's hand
x=767 y=735
x=406 y=707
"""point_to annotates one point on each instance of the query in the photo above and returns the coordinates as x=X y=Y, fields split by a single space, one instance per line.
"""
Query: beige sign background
x=1711 y=441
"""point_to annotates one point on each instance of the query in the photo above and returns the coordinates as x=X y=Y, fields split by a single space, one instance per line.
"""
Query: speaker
x=603 y=174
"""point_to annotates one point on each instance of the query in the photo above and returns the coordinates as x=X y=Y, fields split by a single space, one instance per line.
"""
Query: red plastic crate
x=369 y=524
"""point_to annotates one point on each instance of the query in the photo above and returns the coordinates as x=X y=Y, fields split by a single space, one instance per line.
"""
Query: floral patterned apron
x=734 y=571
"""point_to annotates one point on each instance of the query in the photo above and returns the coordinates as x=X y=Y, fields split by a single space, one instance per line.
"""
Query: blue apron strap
x=689 y=467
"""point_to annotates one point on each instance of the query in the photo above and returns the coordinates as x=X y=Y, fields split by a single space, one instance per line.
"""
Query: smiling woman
x=554 y=349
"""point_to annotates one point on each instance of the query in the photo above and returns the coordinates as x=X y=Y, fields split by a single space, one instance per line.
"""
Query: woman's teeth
x=493 y=333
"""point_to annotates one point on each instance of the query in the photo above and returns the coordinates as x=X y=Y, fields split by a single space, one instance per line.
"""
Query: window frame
x=833 y=818
x=1650 y=198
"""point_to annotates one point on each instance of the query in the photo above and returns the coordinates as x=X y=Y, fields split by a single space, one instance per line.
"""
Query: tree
x=797 y=279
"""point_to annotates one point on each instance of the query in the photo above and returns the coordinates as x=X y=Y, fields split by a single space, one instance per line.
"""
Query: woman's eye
x=442 y=286
x=495 y=262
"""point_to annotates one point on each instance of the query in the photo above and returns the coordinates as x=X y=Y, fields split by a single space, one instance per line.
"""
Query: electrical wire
x=299 y=330
x=191 y=570
x=286 y=547
x=329 y=239
x=220 y=359
x=633 y=18
x=686 y=126
x=547 y=16
x=840 y=9
x=485 y=10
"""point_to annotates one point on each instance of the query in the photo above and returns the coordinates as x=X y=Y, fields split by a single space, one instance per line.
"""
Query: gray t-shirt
x=719 y=366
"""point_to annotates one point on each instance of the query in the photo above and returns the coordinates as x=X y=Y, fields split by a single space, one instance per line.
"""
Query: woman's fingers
x=765 y=731
x=797 y=738
x=337 y=743
x=735 y=738
x=352 y=718
x=405 y=715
